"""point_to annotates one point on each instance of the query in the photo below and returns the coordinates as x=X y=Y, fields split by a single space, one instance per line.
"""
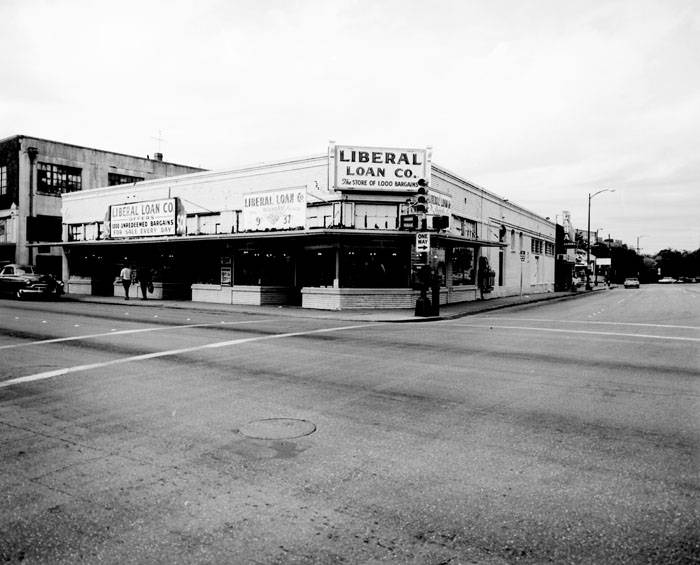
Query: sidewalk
x=447 y=312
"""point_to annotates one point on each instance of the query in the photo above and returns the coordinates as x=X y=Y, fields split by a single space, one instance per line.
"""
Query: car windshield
x=24 y=270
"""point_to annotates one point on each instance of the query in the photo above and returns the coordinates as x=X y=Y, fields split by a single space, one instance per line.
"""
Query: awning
x=336 y=233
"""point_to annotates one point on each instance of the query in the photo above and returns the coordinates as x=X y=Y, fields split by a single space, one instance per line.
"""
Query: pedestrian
x=125 y=275
x=145 y=282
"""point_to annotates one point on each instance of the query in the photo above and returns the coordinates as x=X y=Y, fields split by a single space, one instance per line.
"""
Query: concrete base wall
x=211 y=293
x=462 y=294
x=239 y=294
x=79 y=285
x=349 y=298
x=160 y=290
x=328 y=298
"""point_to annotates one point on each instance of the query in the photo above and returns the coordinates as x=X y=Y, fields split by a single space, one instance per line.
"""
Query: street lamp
x=588 y=245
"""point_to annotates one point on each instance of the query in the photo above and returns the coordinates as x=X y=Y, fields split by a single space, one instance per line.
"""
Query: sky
x=542 y=102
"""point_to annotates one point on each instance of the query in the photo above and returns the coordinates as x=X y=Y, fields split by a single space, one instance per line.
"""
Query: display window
x=263 y=267
x=374 y=267
x=463 y=266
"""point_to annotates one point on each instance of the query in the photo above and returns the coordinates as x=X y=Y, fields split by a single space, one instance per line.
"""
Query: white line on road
x=555 y=330
x=121 y=332
x=586 y=322
x=157 y=354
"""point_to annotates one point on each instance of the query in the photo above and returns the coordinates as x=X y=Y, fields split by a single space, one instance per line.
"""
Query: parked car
x=21 y=281
x=667 y=280
x=631 y=282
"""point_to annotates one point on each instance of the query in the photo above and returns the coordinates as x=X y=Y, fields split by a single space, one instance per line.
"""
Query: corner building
x=335 y=231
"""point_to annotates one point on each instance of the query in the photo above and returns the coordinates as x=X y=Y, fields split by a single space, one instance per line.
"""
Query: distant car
x=631 y=282
x=21 y=281
x=667 y=280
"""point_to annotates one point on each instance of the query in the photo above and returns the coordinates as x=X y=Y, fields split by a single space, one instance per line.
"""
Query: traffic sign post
x=423 y=307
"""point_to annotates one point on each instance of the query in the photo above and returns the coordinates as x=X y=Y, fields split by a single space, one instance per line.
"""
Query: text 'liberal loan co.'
x=378 y=168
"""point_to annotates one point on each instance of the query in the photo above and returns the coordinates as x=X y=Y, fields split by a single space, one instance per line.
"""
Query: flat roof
x=18 y=136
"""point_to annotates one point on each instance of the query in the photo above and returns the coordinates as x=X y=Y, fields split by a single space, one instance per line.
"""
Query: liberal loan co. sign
x=143 y=219
x=379 y=168
x=275 y=210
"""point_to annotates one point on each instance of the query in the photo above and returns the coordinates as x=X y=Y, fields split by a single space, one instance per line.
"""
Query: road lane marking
x=121 y=332
x=147 y=356
x=587 y=332
x=587 y=322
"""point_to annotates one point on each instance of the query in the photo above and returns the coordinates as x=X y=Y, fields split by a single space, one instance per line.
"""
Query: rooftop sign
x=378 y=168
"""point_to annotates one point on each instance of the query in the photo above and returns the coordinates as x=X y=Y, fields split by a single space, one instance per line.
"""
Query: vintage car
x=631 y=282
x=667 y=280
x=21 y=281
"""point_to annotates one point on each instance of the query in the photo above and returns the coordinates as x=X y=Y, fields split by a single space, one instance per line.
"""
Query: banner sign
x=143 y=219
x=275 y=210
x=378 y=168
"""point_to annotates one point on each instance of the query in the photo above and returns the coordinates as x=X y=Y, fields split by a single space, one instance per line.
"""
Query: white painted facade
x=494 y=228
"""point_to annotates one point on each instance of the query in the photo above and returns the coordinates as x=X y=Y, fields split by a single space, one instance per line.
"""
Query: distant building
x=613 y=242
x=582 y=235
x=35 y=172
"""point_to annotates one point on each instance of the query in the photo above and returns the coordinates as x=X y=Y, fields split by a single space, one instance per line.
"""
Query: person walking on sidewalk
x=125 y=275
x=145 y=282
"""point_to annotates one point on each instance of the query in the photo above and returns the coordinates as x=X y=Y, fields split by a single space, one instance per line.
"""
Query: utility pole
x=588 y=245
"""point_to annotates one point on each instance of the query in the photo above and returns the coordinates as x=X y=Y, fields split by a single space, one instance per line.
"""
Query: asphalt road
x=565 y=432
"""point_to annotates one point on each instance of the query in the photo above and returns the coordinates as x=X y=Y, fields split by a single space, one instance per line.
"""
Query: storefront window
x=463 y=265
x=262 y=267
x=363 y=267
x=318 y=266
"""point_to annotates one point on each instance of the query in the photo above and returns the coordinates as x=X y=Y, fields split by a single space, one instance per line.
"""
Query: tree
x=624 y=261
x=675 y=263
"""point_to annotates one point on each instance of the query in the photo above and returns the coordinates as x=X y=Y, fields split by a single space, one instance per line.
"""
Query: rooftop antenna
x=160 y=139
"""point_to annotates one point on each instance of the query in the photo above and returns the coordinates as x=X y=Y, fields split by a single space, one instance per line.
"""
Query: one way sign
x=422 y=242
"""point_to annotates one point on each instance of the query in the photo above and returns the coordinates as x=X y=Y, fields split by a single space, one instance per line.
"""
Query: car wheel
x=18 y=295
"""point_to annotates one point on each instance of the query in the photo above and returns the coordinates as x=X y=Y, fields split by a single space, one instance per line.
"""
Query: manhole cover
x=278 y=428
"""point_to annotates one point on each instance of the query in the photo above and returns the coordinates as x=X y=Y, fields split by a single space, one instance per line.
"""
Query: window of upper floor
x=57 y=179
x=114 y=179
x=3 y=180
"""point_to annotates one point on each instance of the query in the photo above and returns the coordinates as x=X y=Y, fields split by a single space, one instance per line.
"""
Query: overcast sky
x=541 y=102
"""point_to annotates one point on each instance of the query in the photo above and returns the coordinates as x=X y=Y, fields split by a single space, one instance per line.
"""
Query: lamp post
x=588 y=244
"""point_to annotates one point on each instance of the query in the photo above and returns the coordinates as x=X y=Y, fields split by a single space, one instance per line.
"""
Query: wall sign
x=275 y=210
x=143 y=219
x=378 y=168
x=439 y=204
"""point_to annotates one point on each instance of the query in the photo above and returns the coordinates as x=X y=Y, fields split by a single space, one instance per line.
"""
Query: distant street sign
x=522 y=256
x=422 y=242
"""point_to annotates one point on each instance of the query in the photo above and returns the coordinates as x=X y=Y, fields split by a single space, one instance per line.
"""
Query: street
x=563 y=432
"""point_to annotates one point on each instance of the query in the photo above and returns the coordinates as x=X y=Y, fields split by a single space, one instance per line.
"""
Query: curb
x=484 y=306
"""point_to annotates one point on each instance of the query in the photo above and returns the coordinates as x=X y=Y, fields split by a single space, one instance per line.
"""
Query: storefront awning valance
x=336 y=234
